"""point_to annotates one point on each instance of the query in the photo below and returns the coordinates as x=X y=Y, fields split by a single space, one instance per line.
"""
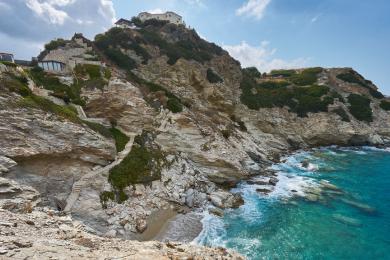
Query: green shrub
x=174 y=105
x=341 y=112
x=54 y=44
x=120 y=139
x=283 y=73
x=46 y=105
x=300 y=100
x=306 y=77
x=226 y=133
x=9 y=64
x=142 y=165
x=355 y=78
x=107 y=73
x=385 y=105
x=17 y=84
x=99 y=128
x=93 y=71
x=105 y=196
x=253 y=72
x=213 y=77
x=360 y=107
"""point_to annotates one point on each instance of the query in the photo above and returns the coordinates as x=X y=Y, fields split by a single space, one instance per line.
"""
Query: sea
x=329 y=203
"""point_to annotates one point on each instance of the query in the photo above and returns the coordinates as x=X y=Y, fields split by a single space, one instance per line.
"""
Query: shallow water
x=350 y=223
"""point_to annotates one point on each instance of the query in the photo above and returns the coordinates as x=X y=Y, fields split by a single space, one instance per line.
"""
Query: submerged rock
x=347 y=220
x=361 y=206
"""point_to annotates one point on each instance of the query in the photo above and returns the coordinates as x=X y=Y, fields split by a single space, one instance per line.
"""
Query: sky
x=268 y=34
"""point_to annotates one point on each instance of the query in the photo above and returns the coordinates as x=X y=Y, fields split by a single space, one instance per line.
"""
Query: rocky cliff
x=171 y=123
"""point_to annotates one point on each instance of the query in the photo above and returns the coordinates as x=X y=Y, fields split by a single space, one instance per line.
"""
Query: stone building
x=124 y=24
x=168 y=16
x=7 y=57
x=64 y=59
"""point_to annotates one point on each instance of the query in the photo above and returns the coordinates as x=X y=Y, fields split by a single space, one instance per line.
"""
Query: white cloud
x=315 y=18
x=156 y=11
x=261 y=57
x=47 y=11
x=253 y=8
x=31 y=23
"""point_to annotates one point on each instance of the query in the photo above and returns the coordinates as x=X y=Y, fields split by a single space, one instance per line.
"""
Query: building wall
x=171 y=17
x=6 y=57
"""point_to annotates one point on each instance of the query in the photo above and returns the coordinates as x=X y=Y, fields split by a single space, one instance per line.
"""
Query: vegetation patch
x=253 y=72
x=283 y=73
x=268 y=94
x=341 y=112
x=9 y=64
x=67 y=93
x=54 y=44
x=44 y=104
x=174 y=103
x=385 y=105
x=306 y=77
x=360 y=107
x=105 y=197
x=355 y=78
x=90 y=70
x=213 y=77
x=142 y=165
x=120 y=139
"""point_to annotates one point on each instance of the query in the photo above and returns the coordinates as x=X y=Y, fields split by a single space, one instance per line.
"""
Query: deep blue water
x=350 y=223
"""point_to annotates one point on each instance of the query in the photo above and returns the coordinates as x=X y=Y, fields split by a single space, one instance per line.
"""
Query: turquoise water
x=350 y=223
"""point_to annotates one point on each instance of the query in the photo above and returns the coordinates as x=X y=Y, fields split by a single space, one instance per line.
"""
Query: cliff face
x=172 y=122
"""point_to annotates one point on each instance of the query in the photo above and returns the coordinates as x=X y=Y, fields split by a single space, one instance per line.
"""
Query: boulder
x=141 y=225
x=224 y=199
x=216 y=211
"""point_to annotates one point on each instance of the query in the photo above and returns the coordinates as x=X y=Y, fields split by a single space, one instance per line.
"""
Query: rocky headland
x=167 y=122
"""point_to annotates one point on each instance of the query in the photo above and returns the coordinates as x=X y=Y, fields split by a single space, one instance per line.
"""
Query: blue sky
x=265 y=33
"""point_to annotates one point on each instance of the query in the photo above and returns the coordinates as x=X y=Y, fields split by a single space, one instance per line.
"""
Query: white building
x=125 y=24
x=168 y=16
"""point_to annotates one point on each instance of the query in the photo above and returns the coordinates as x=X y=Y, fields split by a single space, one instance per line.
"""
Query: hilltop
x=152 y=119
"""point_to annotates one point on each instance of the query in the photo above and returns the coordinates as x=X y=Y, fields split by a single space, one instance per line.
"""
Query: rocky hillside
x=172 y=122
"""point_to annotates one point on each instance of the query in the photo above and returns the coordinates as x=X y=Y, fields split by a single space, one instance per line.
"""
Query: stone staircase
x=89 y=177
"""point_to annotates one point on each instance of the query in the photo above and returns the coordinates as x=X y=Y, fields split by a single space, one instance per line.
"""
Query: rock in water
x=347 y=220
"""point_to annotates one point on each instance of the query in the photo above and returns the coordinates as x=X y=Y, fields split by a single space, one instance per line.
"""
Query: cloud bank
x=261 y=57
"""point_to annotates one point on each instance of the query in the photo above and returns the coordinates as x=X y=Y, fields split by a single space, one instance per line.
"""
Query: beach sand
x=181 y=228
x=156 y=223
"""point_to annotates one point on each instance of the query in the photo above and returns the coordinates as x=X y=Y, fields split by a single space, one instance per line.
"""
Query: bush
x=341 y=112
x=226 y=133
x=54 y=44
x=17 y=84
x=9 y=64
x=253 y=72
x=212 y=77
x=355 y=78
x=46 y=105
x=385 y=105
x=120 y=139
x=306 y=77
x=283 y=73
x=105 y=196
x=174 y=105
x=93 y=71
x=360 y=107
x=300 y=100
x=142 y=165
